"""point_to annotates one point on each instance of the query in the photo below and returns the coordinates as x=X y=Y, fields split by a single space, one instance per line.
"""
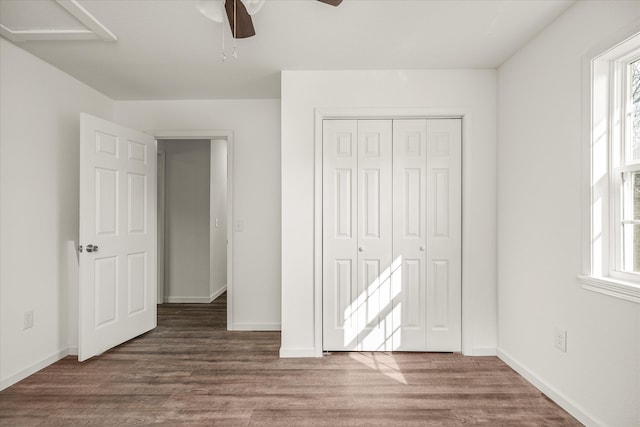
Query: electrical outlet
x=561 y=339
x=27 y=320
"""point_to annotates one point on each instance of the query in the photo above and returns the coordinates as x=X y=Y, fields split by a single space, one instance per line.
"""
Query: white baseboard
x=187 y=300
x=563 y=401
x=13 y=379
x=297 y=352
x=255 y=327
x=72 y=351
x=195 y=300
x=217 y=293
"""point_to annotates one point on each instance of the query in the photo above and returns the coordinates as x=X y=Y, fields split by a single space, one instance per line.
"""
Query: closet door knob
x=361 y=248
x=421 y=248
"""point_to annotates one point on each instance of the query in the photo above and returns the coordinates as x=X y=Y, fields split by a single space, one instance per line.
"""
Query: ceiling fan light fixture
x=212 y=9
x=253 y=6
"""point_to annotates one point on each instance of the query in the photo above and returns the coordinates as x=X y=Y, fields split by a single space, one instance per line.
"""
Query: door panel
x=444 y=234
x=343 y=203
x=106 y=190
x=137 y=282
x=374 y=234
x=441 y=190
x=137 y=200
x=339 y=241
x=118 y=215
x=409 y=237
x=106 y=284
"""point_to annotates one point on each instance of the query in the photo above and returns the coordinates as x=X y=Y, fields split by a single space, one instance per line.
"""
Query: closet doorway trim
x=390 y=113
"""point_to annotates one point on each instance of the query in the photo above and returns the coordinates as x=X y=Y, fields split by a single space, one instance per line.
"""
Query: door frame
x=213 y=135
x=160 y=180
x=321 y=114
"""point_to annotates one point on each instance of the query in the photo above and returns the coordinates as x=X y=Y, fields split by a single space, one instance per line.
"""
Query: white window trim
x=612 y=287
x=600 y=238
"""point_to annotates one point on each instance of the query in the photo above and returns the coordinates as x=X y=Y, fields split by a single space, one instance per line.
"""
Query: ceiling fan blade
x=331 y=2
x=245 y=23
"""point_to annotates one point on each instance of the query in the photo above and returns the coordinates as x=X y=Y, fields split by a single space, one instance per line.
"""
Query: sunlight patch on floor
x=382 y=362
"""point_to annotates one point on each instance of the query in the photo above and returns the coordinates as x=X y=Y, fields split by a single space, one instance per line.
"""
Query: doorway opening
x=463 y=304
x=194 y=217
x=391 y=220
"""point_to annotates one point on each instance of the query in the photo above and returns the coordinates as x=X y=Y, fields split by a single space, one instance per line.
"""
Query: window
x=627 y=167
x=612 y=258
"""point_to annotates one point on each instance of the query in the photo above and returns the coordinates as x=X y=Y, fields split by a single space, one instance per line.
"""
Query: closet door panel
x=375 y=306
x=339 y=237
x=409 y=233
x=444 y=234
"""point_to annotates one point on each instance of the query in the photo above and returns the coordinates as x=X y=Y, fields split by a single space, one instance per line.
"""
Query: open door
x=117 y=235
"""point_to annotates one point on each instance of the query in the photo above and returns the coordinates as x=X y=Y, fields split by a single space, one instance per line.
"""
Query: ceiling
x=166 y=49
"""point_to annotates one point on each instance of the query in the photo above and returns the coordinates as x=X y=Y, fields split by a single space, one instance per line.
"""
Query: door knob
x=421 y=248
x=92 y=248
x=361 y=248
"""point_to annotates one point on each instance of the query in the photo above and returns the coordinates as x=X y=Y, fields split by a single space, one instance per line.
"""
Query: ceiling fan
x=238 y=11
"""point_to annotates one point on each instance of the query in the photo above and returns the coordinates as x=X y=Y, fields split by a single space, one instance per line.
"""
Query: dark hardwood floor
x=191 y=371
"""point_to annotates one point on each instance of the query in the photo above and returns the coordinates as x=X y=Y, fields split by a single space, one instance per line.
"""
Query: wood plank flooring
x=191 y=371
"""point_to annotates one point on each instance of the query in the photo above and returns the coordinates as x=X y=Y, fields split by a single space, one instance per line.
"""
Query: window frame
x=620 y=141
x=606 y=83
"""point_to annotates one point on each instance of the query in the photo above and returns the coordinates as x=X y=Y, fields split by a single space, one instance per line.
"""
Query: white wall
x=186 y=227
x=218 y=247
x=472 y=90
x=39 y=154
x=256 y=190
x=539 y=224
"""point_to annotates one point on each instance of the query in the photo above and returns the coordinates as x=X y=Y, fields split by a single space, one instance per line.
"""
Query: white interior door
x=444 y=235
x=392 y=210
x=427 y=234
x=409 y=233
x=374 y=224
x=339 y=237
x=117 y=235
x=357 y=305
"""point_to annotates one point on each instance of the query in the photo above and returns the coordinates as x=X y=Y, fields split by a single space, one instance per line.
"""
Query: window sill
x=628 y=291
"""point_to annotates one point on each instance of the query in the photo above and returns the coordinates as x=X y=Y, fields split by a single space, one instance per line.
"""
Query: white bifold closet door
x=392 y=235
